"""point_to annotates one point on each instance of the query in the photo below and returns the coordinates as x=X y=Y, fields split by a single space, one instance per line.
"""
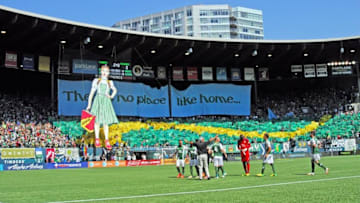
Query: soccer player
x=315 y=154
x=180 y=159
x=244 y=147
x=268 y=157
x=193 y=154
x=218 y=150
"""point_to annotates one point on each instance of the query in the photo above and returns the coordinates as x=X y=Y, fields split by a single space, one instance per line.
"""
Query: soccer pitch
x=159 y=184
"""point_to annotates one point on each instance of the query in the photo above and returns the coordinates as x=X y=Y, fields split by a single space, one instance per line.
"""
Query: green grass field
x=130 y=184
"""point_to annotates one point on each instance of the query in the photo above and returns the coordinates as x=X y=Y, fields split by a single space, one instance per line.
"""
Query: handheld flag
x=87 y=121
x=271 y=114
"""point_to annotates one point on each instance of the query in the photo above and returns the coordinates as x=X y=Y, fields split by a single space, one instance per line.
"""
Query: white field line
x=211 y=190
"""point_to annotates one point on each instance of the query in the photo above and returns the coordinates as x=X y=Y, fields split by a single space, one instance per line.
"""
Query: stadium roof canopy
x=32 y=33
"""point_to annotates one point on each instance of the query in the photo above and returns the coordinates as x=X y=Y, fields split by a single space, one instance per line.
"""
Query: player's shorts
x=218 y=161
x=315 y=157
x=194 y=162
x=269 y=159
x=180 y=163
x=245 y=158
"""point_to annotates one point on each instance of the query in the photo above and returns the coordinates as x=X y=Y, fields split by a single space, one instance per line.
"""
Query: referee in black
x=203 y=155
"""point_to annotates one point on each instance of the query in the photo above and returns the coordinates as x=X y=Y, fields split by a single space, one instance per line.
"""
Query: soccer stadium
x=100 y=114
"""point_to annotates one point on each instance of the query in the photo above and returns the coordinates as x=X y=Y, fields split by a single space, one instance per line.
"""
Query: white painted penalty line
x=211 y=190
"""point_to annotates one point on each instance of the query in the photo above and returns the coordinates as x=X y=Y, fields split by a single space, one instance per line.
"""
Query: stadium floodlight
x=353 y=62
x=100 y=46
x=306 y=54
x=269 y=55
x=87 y=40
x=62 y=42
x=3 y=32
x=257 y=66
x=254 y=53
x=153 y=51
x=190 y=50
x=329 y=64
x=342 y=50
x=352 y=50
x=187 y=53
x=236 y=55
x=336 y=63
x=347 y=62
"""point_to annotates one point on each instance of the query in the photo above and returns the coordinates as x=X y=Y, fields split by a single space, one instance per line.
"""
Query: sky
x=283 y=19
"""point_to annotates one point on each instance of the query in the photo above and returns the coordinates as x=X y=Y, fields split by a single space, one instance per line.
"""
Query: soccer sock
x=197 y=170
x=191 y=171
x=263 y=168
x=312 y=166
x=222 y=169
x=273 y=168
x=183 y=170
x=248 y=167
x=321 y=165
x=244 y=165
x=178 y=169
x=217 y=171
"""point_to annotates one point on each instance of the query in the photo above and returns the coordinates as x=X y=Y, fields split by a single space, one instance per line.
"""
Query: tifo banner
x=249 y=74
x=178 y=73
x=50 y=155
x=309 y=71
x=72 y=155
x=59 y=155
x=18 y=153
x=132 y=99
x=235 y=74
x=221 y=73
x=28 y=62
x=192 y=73
x=44 y=63
x=321 y=70
x=211 y=99
x=85 y=66
x=10 y=59
x=207 y=73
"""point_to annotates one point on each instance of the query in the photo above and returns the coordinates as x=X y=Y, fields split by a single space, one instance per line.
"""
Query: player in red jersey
x=244 y=147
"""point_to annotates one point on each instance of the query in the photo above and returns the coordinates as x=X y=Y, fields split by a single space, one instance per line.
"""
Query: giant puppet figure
x=102 y=106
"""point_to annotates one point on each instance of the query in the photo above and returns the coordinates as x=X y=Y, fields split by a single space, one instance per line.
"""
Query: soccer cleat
x=97 y=142
x=274 y=174
x=179 y=175
x=217 y=177
x=311 y=174
x=107 y=144
x=247 y=174
x=197 y=177
x=182 y=176
x=190 y=177
x=224 y=174
x=260 y=175
x=327 y=171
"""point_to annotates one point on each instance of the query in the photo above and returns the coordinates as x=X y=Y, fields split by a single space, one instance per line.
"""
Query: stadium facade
x=206 y=21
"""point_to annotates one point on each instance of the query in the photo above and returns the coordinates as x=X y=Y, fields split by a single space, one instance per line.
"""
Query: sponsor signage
x=28 y=62
x=263 y=74
x=148 y=72
x=321 y=70
x=207 y=73
x=121 y=71
x=106 y=164
x=249 y=74
x=169 y=161
x=18 y=153
x=18 y=161
x=296 y=68
x=178 y=73
x=66 y=165
x=221 y=74
x=44 y=63
x=235 y=74
x=192 y=73
x=161 y=72
x=85 y=66
x=341 y=70
x=309 y=71
x=16 y=167
x=10 y=59
x=64 y=67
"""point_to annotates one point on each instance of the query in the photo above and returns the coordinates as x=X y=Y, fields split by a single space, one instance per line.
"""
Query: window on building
x=167 y=31
x=190 y=34
x=168 y=17
x=190 y=28
x=156 y=20
x=178 y=15
x=257 y=32
x=204 y=27
x=188 y=12
x=204 y=20
x=245 y=30
x=177 y=29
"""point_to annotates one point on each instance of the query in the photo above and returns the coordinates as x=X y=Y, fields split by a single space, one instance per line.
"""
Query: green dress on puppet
x=102 y=106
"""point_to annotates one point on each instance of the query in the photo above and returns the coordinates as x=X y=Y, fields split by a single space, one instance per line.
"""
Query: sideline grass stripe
x=212 y=190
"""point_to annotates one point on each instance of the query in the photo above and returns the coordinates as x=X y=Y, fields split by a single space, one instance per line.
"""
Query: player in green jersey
x=218 y=150
x=180 y=159
x=193 y=154
x=315 y=154
x=268 y=157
